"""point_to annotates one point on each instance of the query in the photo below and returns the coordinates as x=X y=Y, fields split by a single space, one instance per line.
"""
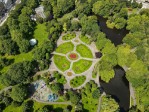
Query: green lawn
x=84 y=51
x=40 y=33
x=36 y=106
x=18 y=58
x=77 y=81
x=69 y=36
x=56 y=107
x=85 y=39
x=81 y=66
x=65 y=48
x=61 y=62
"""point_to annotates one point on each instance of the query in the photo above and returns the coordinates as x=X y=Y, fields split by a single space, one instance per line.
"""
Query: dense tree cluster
x=17 y=73
x=19 y=93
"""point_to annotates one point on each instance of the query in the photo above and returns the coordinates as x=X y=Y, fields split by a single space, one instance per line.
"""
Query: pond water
x=115 y=35
x=118 y=87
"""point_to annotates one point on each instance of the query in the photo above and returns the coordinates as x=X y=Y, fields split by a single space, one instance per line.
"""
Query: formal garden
x=74 y=57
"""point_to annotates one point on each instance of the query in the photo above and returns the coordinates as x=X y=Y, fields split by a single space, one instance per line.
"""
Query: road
x=7 y=14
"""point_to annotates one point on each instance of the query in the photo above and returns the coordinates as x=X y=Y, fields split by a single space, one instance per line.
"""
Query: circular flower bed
x=73 y=56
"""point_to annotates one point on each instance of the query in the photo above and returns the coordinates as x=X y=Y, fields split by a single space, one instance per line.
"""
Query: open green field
x=36 y=106
x=84 y=51
x=40 y=33
x=65 y=48
x=81 y=66
x=85 y=39
x=69 y=36
x=77 y=81
x=61 y=62
x=18 y=58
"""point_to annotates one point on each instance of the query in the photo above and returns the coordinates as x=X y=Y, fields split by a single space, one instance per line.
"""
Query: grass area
x=69 y=36
x=61 y=62
x=81 y=66
x=18 y=58
x=77 y=81
x=40 y=33
x=56 y=107
x=11 y=108
x=36 y=106
x=84 y=51
x=65 y=48
x=85 y=39
x=89 y=103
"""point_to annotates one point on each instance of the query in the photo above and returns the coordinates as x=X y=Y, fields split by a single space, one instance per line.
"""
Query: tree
x=8 y=46
x=17 y=73
x=19 y=93
x=56 y=87
x=45 y=108
x=96 y=94
x=24 y=45
x=74 y=97
x=120 y=23
x=108 y=104
x=27 y=106
x=79 y=107
x=7 y=101
x=123 y=54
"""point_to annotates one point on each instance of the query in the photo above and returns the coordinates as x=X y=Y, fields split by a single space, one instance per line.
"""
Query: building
x=40 y=11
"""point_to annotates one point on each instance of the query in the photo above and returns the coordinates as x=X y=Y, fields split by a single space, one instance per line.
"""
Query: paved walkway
x=132 y=94
x=5 y=89
x=100 y=101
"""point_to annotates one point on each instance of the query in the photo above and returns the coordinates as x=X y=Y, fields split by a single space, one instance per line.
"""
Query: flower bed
x=73 y=56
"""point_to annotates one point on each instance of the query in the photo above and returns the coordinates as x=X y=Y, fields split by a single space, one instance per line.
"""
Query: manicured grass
x=77 y=81
x=36 y=106
x=11 y=108
x=61 y=62
x=56 y=107
x=69 y=36
x=40 y=33
x=18 y=58
x=84 y=51
x=65 y=48
x=81 y=66
x=85 y=39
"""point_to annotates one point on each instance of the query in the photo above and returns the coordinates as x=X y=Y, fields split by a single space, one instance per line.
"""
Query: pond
x=118 y=87
x=115 y=35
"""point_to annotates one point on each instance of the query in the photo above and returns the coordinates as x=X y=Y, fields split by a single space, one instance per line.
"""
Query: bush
x=27 y=106
x=16 y=104
x=96 y=94
x=7 y=101
x=69 y=36
x=77 y=81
